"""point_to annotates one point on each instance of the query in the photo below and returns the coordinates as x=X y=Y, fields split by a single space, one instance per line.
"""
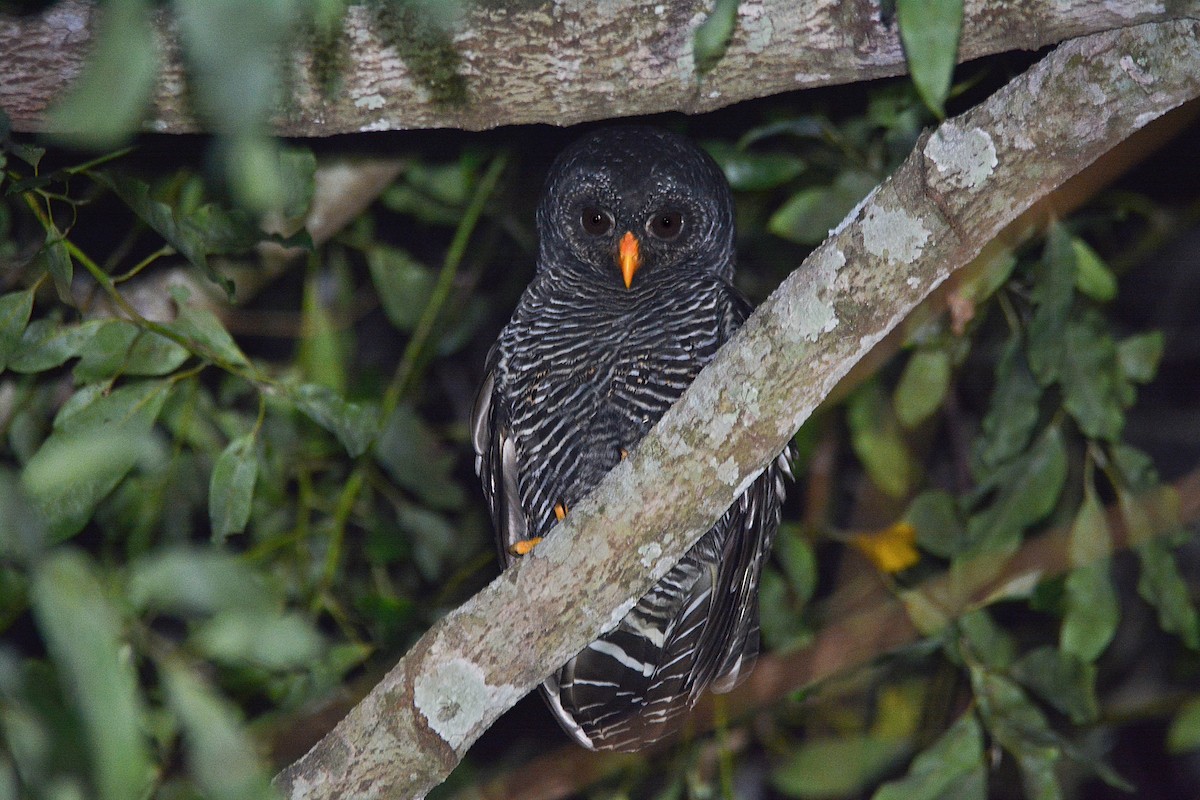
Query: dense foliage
x=235 y=481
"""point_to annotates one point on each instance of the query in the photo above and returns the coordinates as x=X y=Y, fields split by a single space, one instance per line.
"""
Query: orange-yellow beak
x=628 y=257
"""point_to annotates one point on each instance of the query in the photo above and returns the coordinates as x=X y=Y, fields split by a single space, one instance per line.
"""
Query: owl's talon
x=524 y=547
x=560 y=511
x=624 y=453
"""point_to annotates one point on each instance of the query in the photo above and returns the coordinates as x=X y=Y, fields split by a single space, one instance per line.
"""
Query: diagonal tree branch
x=864 y=623
x=555 y=61
x=959 y=187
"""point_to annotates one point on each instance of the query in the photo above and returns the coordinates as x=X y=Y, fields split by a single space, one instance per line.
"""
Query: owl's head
x=635 y=204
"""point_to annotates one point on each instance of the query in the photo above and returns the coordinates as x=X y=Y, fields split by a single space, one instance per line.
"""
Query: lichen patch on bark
x=806 y=314
x=893 y=234
x=965 y=159
x=455 y=699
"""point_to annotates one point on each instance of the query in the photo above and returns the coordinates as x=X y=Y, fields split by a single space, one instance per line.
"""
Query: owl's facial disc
x=629 y=257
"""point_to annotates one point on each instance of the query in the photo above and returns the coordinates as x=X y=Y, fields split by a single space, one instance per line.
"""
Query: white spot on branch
x=1134 y=70
x=650 y=553
x=964 y=159
x=808 y=312
x=893 y=234
x=370 y=101
x=454 y=698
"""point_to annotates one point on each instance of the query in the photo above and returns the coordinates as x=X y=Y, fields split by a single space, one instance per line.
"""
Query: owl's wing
x=496 y=462
x=728 y=642
x=752 y=531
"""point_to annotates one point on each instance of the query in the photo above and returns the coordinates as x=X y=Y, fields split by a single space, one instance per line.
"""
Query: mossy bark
x=553 y=61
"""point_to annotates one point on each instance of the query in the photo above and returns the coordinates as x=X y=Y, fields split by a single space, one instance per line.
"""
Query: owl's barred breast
x=588 y=374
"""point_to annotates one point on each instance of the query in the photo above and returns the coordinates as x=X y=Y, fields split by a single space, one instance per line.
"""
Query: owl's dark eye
x=665 y=224
x=595 y=221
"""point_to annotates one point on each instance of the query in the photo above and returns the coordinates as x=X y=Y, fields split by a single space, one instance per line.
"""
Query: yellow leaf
x=892 y=549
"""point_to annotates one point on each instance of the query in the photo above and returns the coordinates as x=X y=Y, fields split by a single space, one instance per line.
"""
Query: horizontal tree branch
x=549 y=61
x=960 y=186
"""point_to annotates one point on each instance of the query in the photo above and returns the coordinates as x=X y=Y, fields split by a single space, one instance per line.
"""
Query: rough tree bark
x=959 y=187
x=388 y=69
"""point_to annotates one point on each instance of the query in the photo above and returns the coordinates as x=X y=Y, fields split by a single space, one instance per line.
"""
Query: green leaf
x=29 y=153
x=1026 y=490
x=1092 y=613
x=417 y=460
x=1053 y=295
x=232 y=49
x=929 y=30
x=120 y=347
x=985 y=277
x=990 y=643
x=58 y=262
x=1065 y=681
x=22 y=529
x=952 y=768
x=922 y=386
x=135 y=404
x=252 y=169
x=794 y=552
x=1021 y=729
x=261 y=639
x=449 y=183
x=231 y=487
x=297 y=172
x=433 y=194
x=15 y=309
x=220 y=229
x=434 y=540
x=754 y=172
x=1092 y=277
x=1012 y=413
x=355 y=426
x=803 y=126
x=934 y=515
x=90 y=452
x=1161 y=585
x=83 y=633
x=403 y=284
x=783 y=629
x=1139 y=356
x=197 y=581
x=828 y=767
x=926 y=610
x=106 y=104
x=1092 y=610
x=208 y=335
x=48 y=343
x=323 y=347
x=877 y=441
x=1091 y=540
x=179 y=233
x=712 y=36
x=1094 y=390
x=1149 y=514
x=812 y=213
x=1184 y=733
x=1136 y=469
x=220 y=755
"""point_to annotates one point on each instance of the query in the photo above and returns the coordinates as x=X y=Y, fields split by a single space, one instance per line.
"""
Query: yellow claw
x=525 y=546
x=560 y=511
